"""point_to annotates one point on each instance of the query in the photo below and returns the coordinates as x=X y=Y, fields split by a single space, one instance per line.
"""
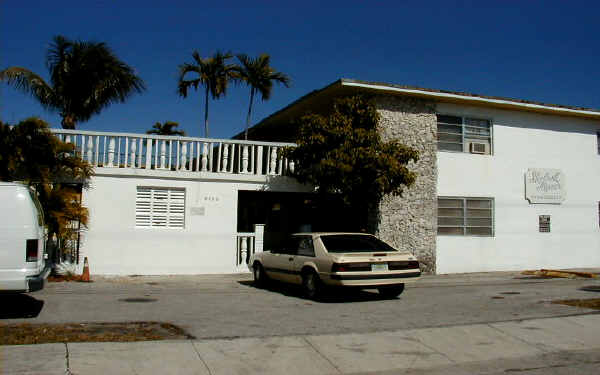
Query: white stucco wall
x=207 y=244
x=521 y=141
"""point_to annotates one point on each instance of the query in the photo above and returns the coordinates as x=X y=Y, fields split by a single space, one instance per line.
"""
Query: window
x=160 y=207
x=464 y=134
x=38 y=207
x=466 y=216
x=348 y=243
x=598 y=141
x=305 y=246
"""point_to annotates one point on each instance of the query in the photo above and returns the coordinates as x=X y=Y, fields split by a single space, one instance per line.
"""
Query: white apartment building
x=502 y=184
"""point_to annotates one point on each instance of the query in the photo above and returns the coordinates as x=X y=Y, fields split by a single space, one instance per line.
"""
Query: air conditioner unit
x=477 y=148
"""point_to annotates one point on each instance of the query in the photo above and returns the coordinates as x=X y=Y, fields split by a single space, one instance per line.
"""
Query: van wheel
x=391 y=291
x=260 y=277
x=311 y=285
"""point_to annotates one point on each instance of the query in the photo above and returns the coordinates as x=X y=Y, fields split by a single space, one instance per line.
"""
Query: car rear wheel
x=391 y=291
x=311 y=284
x=260 y=277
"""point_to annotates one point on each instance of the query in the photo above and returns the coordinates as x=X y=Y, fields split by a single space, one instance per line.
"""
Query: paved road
x=228 y=306
x=493 y=323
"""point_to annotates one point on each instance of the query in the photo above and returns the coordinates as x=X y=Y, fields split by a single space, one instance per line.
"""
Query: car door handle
x=291 y=258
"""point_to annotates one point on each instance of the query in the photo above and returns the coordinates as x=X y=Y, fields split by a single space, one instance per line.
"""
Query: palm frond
x=258 y=73
x=30 y=83
x=168 y=128
x=88 y=77
x=182 y=84
x=57 y=58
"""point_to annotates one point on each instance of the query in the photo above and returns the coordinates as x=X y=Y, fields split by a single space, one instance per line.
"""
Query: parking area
x=228 y=306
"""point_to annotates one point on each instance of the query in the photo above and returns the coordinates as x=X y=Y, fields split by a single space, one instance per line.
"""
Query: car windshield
x=348 y=243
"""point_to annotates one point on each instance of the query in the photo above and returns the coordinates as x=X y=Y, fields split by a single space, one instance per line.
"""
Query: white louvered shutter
x=160 y=207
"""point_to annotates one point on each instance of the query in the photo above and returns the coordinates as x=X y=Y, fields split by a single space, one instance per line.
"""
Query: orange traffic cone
x=85 y=276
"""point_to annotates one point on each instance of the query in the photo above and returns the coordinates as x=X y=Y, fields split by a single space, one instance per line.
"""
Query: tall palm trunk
x=249 y=113
x=206 y=114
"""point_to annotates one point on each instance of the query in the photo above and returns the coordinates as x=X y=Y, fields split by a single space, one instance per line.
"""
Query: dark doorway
x=284 y=213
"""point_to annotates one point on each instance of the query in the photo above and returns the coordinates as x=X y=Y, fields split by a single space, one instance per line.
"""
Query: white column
x=111 y=152
x=139 y=156
x=259 y=160
x=132 y=149
x=273 y=161
x=148 y=154
x=204 y=156
x=243 y=249
x=90 y=149
x=245 y=159
x=259 y=237
x=163 y=154
x=291 y=166
x=184 y=151
x=225 y=156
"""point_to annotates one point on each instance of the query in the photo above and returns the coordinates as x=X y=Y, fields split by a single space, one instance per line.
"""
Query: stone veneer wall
x=410 y=222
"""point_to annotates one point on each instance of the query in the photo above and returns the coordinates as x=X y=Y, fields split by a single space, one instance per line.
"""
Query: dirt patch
x=560 y=274
x=25 y=333
x=590 y=303
x=64 y=278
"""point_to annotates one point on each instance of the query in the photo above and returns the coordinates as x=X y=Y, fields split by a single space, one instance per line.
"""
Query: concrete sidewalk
x=384 y=352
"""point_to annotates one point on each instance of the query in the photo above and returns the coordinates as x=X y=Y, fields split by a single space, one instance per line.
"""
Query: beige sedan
x=315 y=260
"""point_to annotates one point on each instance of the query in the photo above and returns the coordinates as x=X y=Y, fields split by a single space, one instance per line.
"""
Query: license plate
x=379 y=267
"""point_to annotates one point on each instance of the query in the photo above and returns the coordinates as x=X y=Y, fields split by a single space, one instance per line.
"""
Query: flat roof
x=321 y=99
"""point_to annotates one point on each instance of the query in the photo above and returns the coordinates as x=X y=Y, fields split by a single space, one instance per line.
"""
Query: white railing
x=248 y=243
x=245 y=248
x=174 y=153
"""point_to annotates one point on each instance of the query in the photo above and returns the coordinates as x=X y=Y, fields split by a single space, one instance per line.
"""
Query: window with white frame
x=157 y=207
x=464 y=134
x=459 y=216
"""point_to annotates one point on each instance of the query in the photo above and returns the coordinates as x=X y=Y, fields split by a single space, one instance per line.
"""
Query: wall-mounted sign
x=545 y=186
x=197 y=211
x=544 y=223
x=209 y=199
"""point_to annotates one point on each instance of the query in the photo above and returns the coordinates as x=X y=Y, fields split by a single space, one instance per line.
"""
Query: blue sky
x=538 y=50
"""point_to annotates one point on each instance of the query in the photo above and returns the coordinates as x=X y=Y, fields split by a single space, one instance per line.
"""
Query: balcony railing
x=248 y=243
x=174 y=153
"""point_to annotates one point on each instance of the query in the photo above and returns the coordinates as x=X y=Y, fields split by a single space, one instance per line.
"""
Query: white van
x=23 y=265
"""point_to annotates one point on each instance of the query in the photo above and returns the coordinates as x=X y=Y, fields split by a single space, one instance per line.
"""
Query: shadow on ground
x=330 y=295
x=590 y=288
x=17 y=306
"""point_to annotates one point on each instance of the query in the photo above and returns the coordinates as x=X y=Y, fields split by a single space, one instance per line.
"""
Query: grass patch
x=25 y=333
x=590 y=303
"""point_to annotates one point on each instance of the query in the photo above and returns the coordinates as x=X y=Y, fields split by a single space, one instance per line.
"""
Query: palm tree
x=30 y=153
x=168 y=128
x=85 y=77
x=257 y=74
x=212 y=72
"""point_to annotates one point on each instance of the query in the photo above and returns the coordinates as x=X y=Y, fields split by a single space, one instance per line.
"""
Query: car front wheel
x=260 y=277
x=391 y=291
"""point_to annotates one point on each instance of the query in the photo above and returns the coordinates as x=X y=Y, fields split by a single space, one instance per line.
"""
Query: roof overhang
x=320 y=101
x=473 y=99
